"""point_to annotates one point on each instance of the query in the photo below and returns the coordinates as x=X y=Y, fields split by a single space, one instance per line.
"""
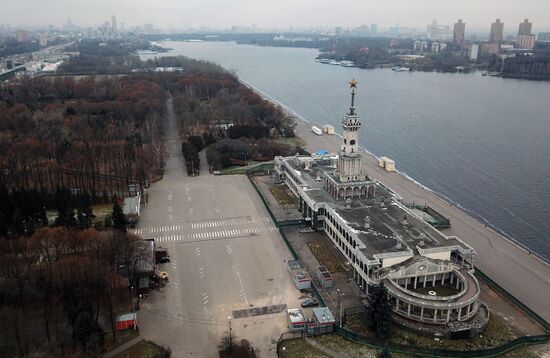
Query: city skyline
x=275 y=15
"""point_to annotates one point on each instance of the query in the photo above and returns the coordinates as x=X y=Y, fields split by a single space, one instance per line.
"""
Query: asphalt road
x=226 y=254
x=512 y=267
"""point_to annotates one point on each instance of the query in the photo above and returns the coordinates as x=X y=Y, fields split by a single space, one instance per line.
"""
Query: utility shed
x=299 y=275
x=324 y=320
x=131 y=210
x=126 y=321
x=324 y=276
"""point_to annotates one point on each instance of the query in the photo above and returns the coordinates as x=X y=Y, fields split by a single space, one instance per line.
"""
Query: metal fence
x=435 y=352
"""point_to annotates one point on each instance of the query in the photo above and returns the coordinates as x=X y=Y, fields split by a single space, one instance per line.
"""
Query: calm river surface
x=481 y=142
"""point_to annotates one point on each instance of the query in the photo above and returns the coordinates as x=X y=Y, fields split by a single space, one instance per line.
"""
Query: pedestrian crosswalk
x=208 y=229
x=205 y=224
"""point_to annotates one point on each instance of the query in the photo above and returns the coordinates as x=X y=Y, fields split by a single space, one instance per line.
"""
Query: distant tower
x=349 y=162
x=458 y=33
x=525 y=27
x=113 y=23
x=497 y=29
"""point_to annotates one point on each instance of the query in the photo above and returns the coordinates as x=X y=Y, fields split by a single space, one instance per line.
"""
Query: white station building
x=429 y=276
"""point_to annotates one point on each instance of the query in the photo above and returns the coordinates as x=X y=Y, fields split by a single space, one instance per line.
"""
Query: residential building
x=22 y=36
x=429 y=275
x=458 y=33
x=438 y=47
x=488 y=48
x=373 y=29
x=113 y=24
x=474 y=52
x=420 y=46
x=525 y=27
x=544 y=36
x=497 y=29
x=525 y=41
x=43 y=40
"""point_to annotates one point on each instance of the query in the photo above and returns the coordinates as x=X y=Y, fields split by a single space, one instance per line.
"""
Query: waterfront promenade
x=514 y=268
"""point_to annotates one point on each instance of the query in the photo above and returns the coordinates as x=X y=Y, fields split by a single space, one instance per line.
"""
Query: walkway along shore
x=511 y=266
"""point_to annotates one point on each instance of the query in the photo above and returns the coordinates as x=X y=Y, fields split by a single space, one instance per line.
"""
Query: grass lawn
x=325 y=257
x=352 y=349
x=296 y=141
x=283 y=195
x=143 y=349
x=298 y=348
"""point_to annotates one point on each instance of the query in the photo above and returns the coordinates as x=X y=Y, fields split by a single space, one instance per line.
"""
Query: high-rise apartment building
x=43 y=40
x=373 y=29
x=525 y=27
x=544 y=36
x=113 y=23
x=497 y=28
x=458 y=33
x=525 y=39
x=22 y=36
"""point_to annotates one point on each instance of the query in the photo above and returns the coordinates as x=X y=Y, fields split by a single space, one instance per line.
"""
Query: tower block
x=350 y=167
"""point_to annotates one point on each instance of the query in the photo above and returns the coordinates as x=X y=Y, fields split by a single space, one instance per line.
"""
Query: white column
x=448 y=315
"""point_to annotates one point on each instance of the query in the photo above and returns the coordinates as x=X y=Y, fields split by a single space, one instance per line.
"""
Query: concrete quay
x=515 y=269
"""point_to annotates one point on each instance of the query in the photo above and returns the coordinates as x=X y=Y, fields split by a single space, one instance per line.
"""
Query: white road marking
x=242 y=287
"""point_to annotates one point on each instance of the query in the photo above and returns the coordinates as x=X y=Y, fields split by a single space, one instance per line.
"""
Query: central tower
x=349 y=163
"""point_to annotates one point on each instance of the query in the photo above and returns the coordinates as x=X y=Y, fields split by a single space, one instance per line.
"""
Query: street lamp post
x=340 y=298
x=134 y=309
x=230 y=337
x=245 y=154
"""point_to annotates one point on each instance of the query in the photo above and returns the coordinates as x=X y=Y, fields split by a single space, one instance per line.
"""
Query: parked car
x=310 y=302
x=163 y=259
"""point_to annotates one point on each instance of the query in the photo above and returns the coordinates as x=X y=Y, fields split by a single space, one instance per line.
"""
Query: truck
x=316 y=130
x=328 y=129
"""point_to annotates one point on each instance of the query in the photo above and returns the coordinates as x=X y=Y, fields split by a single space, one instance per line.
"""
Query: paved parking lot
x=226 y=255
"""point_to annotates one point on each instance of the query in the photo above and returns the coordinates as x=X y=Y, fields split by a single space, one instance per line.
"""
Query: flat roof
x=386 y=226
x=323 y=315
x=296 y=315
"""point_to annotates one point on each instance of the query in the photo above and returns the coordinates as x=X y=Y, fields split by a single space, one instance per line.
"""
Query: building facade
x=497 y=28
x=458 y=33
x=429 y=276
x=525 y=41
x=525 y=27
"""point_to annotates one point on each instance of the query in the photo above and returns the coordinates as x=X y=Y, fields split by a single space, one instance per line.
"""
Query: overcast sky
x=478 y=14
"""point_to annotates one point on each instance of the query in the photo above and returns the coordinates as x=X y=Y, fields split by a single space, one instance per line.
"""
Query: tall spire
x=353 y=85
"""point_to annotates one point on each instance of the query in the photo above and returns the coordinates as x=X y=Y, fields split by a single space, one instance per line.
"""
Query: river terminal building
x=429 y=276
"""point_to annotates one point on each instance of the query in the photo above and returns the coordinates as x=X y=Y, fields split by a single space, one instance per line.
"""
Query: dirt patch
x=283 y=195
x=143 y=349
x=258 y=311
x=325 y=257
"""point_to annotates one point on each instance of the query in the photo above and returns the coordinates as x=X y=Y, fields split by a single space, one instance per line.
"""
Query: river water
x=481 y=142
